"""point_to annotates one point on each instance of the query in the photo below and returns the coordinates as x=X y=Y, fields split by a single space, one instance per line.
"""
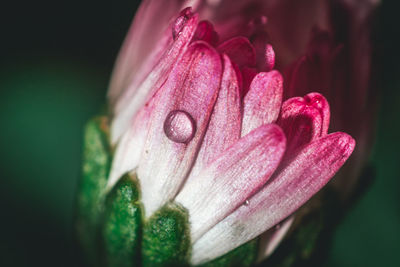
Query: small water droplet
x=247 y=202
x=179 y=126
x=315 y=100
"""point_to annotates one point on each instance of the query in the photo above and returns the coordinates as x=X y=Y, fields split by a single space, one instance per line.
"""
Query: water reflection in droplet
x=179 y=126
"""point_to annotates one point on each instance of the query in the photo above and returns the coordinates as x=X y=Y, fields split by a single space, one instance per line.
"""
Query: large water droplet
x=179 y=126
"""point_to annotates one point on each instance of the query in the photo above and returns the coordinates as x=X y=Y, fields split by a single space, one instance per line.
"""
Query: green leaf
x=91 y=194
x=166 y=237
x=121 y=231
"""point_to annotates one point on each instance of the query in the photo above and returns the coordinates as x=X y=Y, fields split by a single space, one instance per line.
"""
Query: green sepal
x=166 y=237
x=91 y=194
x=121 y=229
x=245 y=255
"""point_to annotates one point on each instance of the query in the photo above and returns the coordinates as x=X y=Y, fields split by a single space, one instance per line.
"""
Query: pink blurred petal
x=285 y=192
x=355 y=87
x=262 y=102
x=314 y=71
x=240 y=51
x=271 y=239
x=290 y=24
x=232 y=178
x=225 y=123
x=264 y=51
x=191 y=87
x=205 y=32
x=143 y=38
x=248 y=75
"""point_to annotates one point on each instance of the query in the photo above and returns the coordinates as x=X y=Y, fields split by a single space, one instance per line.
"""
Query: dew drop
x=179 y=126
x=314 y=100
x=247 y=202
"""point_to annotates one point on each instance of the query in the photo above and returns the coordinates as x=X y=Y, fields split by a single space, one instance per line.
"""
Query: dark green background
x=56 y=59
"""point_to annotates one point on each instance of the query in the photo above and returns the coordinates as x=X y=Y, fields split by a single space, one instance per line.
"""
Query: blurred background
x=56 y=60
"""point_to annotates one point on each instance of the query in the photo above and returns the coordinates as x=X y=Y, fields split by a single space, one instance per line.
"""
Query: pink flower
x=203 y=116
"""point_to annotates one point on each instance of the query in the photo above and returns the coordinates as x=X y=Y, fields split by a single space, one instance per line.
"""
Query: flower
x=219 y=128
x=334 y=56
x=203 y=118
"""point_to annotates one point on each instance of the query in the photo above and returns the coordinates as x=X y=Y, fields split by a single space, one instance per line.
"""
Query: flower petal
x=314 y=71
x=248 y=75
x=225 y=123
x=240 y=50
x=130 y=147
x=271 y=239
x=263 y=100
x=205 y=32
x=192 y=88
x=232 y=178
x=143 y=38
x=286 y=191
x=304 y=119
x=137 y=94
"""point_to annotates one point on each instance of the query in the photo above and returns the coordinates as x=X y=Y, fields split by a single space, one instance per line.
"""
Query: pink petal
x=136 y=95
x=130 y=147
x=232 y=178
x=240 y=51
x=225 y=123
x=304 y=119
x=269 y=57
x=192 y=88
x=263 y=101
x=248 y=75
x=290 y=23
x=232 y=18
x=205 y=32
x=314 y=71
x=271 y=239
x=143 y=38
x=284 y=193
x=264 y=51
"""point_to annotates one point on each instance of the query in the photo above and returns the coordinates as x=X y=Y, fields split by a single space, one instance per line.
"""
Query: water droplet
x=247 y=202
x=179 y=126
x=180 y=22
x=315 y=100
x=278 y=226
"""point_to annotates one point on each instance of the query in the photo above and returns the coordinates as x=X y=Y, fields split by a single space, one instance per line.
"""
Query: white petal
x=232 y=178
